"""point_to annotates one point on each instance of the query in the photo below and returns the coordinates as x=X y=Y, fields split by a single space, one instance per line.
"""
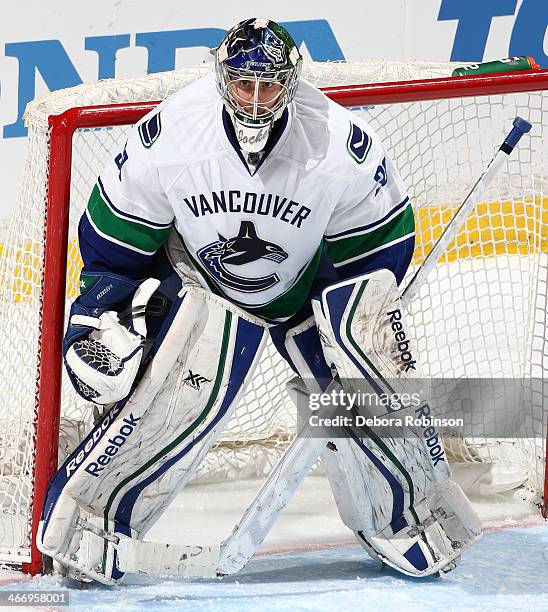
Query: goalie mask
x=257 y=69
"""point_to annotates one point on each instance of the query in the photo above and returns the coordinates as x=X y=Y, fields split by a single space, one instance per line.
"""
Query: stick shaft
x=520 y=128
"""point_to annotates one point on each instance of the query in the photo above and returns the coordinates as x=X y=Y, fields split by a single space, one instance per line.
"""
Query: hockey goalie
x=244 y=205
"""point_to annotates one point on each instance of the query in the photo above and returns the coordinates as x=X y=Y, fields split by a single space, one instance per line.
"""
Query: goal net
x=482 y=314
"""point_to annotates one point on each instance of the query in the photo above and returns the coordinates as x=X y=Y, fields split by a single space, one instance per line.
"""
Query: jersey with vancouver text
x=253 y=234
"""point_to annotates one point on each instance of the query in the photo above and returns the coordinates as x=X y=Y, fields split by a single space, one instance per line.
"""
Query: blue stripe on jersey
x=101 y=254
x=395 y=258
x=366 y=228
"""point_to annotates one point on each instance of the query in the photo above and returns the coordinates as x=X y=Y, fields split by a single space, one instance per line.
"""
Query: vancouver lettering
x=234 y=201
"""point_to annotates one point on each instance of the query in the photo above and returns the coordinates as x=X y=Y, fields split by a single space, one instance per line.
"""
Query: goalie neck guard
x=257 y=69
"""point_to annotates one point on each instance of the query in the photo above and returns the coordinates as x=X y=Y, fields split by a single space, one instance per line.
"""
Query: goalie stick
x=521 y=127
x=236 y=550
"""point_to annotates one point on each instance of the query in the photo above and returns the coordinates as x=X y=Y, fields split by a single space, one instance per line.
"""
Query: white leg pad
x=395 y=493
x=142 y=453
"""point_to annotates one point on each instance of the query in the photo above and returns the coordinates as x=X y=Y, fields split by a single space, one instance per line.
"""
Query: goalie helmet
x=257 y=70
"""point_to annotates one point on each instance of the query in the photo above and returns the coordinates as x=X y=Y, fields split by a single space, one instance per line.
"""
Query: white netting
x=483 y=312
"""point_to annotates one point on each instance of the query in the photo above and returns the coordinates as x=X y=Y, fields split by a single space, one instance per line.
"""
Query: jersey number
x=380 y=175
x=120 y=160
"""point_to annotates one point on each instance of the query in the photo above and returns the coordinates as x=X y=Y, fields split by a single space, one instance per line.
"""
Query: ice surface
x=505 y=570
x=320 y=567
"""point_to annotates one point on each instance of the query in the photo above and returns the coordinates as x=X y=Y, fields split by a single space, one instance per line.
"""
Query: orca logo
x=274 y=47
x=244 y=248
x=195 y=380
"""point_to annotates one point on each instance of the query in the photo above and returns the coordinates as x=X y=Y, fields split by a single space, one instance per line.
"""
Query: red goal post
x=56 y=223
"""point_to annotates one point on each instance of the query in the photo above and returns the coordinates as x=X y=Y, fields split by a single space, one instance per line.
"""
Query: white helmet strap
x=251 y=137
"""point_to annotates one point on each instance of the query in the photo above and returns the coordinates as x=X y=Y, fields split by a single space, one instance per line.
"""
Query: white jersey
x=254 y=234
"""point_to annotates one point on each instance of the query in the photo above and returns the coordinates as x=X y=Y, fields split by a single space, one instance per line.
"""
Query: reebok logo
x=403 y=343
x=92 y=441
x=94 y=468
x=435 y=447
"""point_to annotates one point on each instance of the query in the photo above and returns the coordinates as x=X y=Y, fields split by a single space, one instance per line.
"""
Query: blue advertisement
x=50 y=59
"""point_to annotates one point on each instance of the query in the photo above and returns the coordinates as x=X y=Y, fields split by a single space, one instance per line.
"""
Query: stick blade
x=137 y=556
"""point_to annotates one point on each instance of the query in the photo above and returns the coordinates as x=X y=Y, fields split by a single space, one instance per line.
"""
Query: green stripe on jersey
x=348 y=248
x=132 y=233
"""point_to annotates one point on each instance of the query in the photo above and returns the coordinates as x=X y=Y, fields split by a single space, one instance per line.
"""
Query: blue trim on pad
x=248 y=338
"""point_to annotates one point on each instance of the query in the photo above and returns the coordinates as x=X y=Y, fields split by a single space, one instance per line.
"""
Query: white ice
x=310 y=562
x=504 y=571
